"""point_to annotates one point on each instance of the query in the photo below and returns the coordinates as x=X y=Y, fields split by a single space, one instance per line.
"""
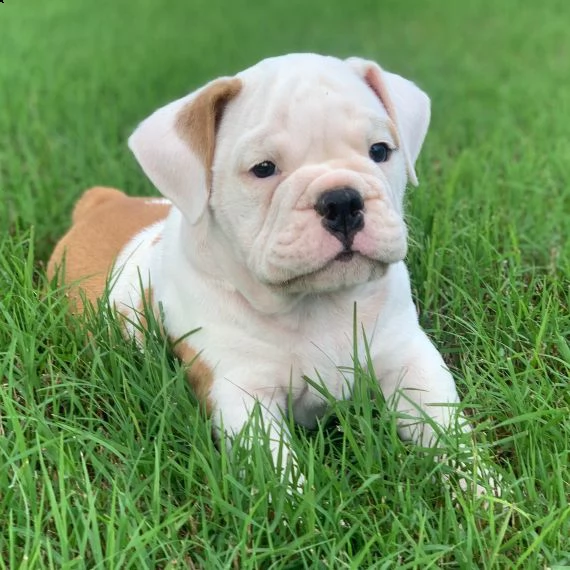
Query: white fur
x=256 y=270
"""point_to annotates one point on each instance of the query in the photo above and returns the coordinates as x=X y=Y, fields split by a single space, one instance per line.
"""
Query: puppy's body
x=270 y=267
x=312 y=336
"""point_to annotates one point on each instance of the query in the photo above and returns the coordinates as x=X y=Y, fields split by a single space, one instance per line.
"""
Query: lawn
x=106 y=460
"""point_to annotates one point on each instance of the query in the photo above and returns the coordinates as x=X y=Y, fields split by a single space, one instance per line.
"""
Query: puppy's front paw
x=483 y=483
x=474 y=475
x=296 y=482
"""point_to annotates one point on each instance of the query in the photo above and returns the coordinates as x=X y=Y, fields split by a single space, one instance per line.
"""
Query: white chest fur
x=312 y=337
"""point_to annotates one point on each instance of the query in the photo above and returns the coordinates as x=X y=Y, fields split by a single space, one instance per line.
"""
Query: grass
x=107 y=460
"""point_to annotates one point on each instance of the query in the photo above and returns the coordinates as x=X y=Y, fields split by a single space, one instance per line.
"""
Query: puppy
x=283 y=192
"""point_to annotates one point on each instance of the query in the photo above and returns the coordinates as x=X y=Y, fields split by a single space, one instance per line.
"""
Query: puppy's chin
x=346 y=270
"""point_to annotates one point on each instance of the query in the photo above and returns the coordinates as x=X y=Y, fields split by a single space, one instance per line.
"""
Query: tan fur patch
x=104 y=220
x=199 y=374
x=197 y=123
x=139 y=317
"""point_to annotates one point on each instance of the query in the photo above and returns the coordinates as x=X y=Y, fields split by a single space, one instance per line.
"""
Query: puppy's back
x=104 y=221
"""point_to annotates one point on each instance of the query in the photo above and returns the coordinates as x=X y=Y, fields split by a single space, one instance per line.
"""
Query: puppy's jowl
x=284 y=188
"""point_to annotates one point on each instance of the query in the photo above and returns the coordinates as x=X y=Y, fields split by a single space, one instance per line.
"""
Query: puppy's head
x=301 y=163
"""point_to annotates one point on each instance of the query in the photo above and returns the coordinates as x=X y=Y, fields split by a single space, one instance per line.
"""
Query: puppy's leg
x=233 y=409
x=416 y=383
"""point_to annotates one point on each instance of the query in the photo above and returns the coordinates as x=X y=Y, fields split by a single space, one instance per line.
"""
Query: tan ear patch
x=198 y=122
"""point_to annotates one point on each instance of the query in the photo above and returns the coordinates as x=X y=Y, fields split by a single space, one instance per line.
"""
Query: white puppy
x=284 y=188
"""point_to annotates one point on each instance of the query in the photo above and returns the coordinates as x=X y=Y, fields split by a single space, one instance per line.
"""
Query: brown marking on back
x=92 y=198
x=199 y=374
x=198 y=122
x=104 y=221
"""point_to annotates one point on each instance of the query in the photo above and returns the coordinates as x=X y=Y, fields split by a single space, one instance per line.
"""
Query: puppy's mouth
x=345 y=255
x=347 y=268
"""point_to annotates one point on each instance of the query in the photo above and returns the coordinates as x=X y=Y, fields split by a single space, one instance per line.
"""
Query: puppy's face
x=308 y=178
x=305 y=163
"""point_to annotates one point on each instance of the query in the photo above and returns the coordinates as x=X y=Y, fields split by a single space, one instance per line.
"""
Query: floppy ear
x=407 y=105
x=175 y=145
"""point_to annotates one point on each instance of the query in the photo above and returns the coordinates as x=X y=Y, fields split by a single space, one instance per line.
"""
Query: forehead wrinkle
x=325 y=113
x=301 y=111
x=339 y=124
x=260 y=144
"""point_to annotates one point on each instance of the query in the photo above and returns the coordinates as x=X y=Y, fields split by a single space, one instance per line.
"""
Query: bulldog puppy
x=284 y=188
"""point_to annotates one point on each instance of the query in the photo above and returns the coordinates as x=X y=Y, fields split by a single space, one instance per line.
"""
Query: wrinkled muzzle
x=341 y=229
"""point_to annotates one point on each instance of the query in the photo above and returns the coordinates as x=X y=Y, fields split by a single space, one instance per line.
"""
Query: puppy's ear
x=175 y=145
x=407 y=105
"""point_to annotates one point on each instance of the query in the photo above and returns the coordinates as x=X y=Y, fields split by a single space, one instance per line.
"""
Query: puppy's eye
x=380 y=152
x=264 y=169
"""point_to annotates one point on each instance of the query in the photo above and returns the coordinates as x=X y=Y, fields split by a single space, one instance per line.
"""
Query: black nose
x=342 y=214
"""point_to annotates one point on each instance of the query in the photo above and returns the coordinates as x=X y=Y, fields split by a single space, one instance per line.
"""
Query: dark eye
x=264 y=169
x=380 y=152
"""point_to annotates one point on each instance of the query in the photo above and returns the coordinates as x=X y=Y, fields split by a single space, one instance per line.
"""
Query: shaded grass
x=107 y=460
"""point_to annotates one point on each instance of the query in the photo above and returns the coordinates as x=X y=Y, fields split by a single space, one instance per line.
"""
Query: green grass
x=106 y=460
